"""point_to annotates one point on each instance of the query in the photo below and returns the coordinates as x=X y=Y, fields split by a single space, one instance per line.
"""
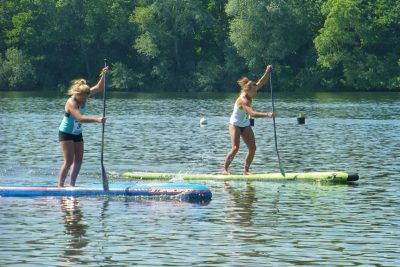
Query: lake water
x=245 y=224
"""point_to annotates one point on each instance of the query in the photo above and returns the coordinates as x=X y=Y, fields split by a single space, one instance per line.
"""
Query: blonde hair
x=245 y=84
x=78 y=87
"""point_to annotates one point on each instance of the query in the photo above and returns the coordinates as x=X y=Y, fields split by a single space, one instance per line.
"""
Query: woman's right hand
x=104 y=71
x=101 y=120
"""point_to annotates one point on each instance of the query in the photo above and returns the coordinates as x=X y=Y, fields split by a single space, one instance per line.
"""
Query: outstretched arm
x=264 y=78
x=249 y=110
x=72 y=108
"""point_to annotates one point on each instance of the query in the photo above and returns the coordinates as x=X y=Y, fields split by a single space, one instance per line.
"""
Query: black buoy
x=301 y=118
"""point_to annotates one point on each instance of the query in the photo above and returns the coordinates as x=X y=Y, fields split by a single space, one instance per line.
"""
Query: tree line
x=200 y=45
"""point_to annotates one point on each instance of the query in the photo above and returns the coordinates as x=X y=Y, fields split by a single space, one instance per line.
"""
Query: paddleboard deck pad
x=195 y=192
x=335 y=177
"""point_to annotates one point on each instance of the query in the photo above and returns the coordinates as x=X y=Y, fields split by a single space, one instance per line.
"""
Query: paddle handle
x=104 y=90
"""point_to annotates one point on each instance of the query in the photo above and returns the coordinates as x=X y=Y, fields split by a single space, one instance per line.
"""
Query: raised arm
x=99 y=86
x=264 y=78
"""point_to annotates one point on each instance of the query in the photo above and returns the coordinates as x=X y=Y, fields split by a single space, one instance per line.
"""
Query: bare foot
x=225 y=172
x=246 y=170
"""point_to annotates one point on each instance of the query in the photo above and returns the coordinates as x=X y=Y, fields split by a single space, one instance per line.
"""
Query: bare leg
x=234 y=132
x=78 y=158
x=67 y=148
x=250 y=140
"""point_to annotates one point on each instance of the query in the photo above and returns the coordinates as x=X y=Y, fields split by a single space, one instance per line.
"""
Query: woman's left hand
x=268 y=69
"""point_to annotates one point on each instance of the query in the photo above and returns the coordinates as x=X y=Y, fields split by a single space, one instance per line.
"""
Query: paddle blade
x=282 y=171
x=104 y=178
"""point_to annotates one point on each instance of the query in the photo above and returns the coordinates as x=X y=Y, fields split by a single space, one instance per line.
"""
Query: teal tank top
x=70 y=124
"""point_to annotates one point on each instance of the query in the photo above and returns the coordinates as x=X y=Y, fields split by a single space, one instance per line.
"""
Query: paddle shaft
x=103 y=171
x=273 y=119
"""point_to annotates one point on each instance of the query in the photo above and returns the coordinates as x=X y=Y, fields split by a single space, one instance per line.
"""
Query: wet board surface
x=191 y=191
x=329 y=176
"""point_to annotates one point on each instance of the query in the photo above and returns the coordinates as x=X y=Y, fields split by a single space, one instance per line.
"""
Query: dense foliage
x=200 y=45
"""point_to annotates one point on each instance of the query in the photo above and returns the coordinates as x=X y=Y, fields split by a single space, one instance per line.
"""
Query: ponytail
x=244 y=84
x=77 y=87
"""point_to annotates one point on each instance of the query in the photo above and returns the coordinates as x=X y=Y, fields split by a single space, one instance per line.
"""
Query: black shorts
x=66 y=137
x=243 y=128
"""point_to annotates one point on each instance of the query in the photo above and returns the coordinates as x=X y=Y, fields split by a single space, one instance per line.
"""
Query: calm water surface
x=245 y=224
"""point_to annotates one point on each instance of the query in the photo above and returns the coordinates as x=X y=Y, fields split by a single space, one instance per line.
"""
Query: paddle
x=273 y=119
x=103 y=170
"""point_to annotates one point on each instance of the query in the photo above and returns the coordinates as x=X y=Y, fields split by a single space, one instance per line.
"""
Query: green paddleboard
x=328 y=176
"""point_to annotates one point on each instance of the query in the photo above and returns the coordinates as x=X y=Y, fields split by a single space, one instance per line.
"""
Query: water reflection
x=75 y=228
x=243 y=200
x=287 y=224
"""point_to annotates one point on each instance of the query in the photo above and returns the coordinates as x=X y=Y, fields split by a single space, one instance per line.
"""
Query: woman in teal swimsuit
x=239 y=123
x=70 y=130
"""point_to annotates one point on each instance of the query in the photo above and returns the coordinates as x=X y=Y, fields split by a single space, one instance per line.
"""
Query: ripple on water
x=281 y=224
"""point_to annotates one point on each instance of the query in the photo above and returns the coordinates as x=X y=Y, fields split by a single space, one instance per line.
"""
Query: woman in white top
x=240 y=122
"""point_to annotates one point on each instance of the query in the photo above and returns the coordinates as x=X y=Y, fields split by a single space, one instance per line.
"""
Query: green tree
x=302 y=71
x=124 y=78
x=168 y=37
x=67 y=39
x=219 y=65
x=119 y=34
x=16 y=71
x=262 y=31
x=360 y=42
